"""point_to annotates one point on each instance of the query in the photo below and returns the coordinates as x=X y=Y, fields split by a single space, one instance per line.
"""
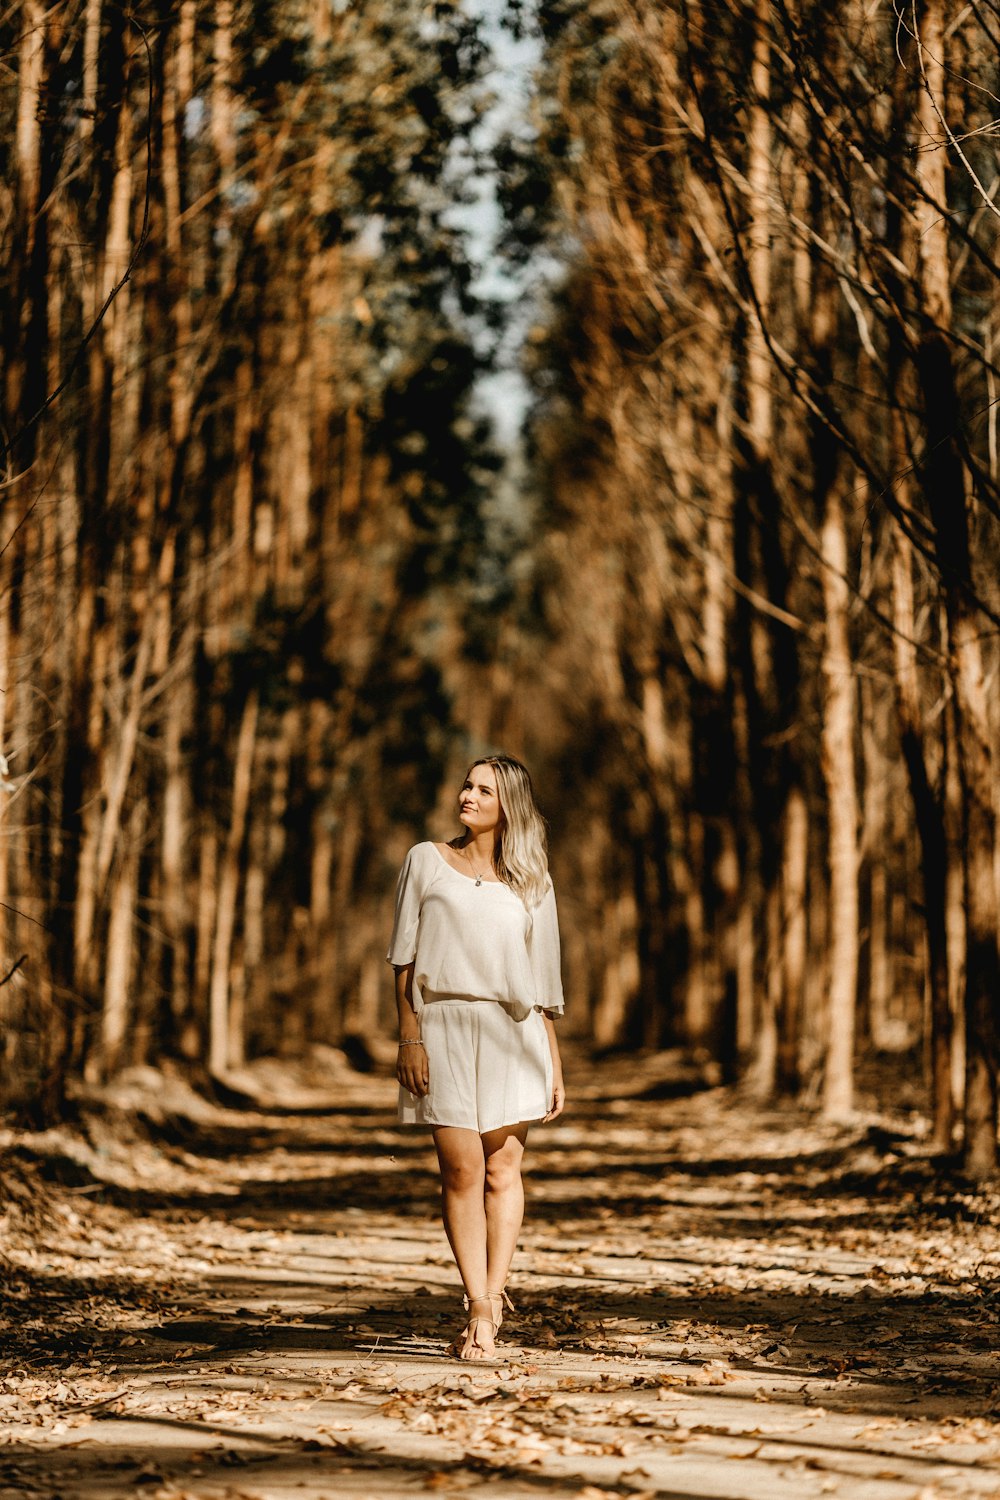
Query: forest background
x=272 y=571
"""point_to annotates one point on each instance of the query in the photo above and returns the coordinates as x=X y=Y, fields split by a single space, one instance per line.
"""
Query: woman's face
x=479 y=801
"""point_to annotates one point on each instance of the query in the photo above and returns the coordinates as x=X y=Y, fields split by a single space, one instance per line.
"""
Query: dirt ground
x=216 y=1302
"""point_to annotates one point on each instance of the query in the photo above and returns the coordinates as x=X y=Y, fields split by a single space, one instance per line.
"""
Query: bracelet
x=412 y=1042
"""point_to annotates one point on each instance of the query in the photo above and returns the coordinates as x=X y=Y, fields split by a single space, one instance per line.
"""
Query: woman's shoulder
x=419 y=866
x=422 y=853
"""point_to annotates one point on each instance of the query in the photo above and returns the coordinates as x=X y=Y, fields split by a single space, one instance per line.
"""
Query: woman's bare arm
x=411 y=1059
x=558 y=1087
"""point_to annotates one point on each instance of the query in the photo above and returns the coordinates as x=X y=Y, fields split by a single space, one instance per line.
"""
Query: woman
x=475 y=947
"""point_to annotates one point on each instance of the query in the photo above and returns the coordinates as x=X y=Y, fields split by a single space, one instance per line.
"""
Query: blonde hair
x=520 y=853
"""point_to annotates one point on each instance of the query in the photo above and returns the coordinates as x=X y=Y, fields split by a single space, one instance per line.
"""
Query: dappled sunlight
x=678 y=1307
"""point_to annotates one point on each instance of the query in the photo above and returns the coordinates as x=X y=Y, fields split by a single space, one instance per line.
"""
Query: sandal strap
x=504 y=1299
x=470 y=1335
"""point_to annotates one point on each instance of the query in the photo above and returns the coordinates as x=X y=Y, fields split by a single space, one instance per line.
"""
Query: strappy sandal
x=499 y=1300
x=469 y=1345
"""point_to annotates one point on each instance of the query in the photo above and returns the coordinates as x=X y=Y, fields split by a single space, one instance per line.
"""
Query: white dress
x=484 y=968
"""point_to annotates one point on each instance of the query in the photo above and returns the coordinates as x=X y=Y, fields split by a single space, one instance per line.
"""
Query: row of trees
x=241 y=497
x=262 y=585
x=767 y=425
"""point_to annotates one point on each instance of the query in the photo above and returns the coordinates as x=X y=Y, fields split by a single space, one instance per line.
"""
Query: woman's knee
x=503 y=1171
x=462 y=1174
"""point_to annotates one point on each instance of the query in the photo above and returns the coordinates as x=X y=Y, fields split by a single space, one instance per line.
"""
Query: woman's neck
x=481 y=845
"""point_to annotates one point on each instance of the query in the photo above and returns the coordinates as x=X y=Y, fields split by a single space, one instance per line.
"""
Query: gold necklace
x=478 y=874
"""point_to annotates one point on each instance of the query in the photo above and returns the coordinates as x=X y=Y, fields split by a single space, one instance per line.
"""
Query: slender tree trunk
x=30 y=74
x=27 y=240
x=205 y=909
x=842 y=815
x=91 y=50
x=759 y=171
x=121 y=768
x=929 y=817
x=254 y=918
x=221 y=1041
x=760 y=1078
x=241 y=600
x=118 y=324
x=757 y=546
x=119 y=1004
x=177 y=89
x=982 y=962
x=954 y=900
x=697 y=1006
x=874 y=854
x=744 y=868
x=667 y=877
x=222 y=126
x=713 y=754
x=176 y=856
x=794 y=885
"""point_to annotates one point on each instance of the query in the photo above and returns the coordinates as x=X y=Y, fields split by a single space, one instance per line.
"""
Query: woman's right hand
x=411 y=1068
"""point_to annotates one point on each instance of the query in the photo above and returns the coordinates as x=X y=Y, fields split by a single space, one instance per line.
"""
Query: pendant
x=479 y=880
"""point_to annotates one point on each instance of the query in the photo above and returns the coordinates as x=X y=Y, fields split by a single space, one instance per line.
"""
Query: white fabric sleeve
x=409 y=892
x=543 y=953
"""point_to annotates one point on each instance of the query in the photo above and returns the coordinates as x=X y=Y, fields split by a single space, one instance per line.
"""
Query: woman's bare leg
x=503 y=1150
x=463 y=1182
x=463 y=1185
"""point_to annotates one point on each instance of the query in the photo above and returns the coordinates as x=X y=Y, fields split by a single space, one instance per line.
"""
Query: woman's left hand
x=558 y=1100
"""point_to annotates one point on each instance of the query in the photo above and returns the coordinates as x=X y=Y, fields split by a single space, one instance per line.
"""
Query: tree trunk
x=30 y=72
x=842 y=816
x=929 y=818
x=175 y=856
x=91 y=53
x=954 y=903
x=119 y=1004
x=874 y=855
x=982 y=961
x=768 y=666
x=206 y=903
x=794 y=884
x=760 y=1079
x=222 y=126
x=221 y=1041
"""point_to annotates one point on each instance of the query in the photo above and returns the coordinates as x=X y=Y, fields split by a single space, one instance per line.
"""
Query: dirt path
x=710 y=1304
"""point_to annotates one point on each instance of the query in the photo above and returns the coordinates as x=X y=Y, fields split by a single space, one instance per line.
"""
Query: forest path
x=711 y=1303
